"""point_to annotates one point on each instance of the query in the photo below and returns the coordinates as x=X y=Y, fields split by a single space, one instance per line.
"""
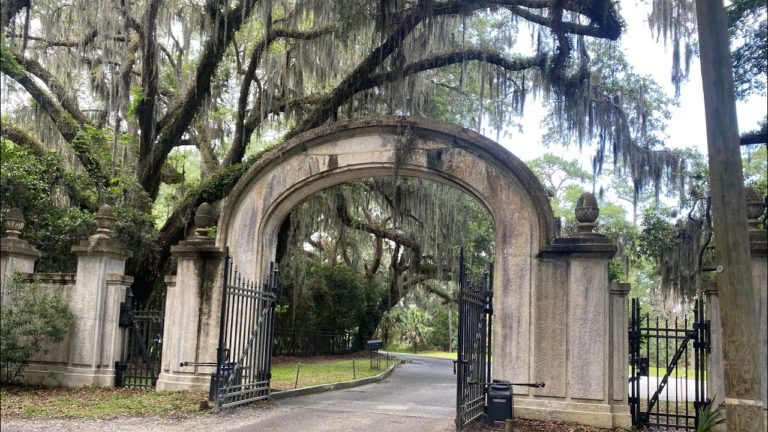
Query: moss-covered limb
x=145 y=109
x=58 y=89
x=83 y=140
x=179 y=117
x=21 y=137
x=605 y=20
x=455 y=57
x=244 y=129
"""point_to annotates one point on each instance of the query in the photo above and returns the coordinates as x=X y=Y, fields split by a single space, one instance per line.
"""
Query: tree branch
x=145 y=109
x=58 y=89
x=178 y=118
x=67 y=125
x=244 y=129
x=23 y=138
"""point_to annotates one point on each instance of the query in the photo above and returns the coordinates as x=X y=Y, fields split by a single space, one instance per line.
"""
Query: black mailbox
x=374 y=344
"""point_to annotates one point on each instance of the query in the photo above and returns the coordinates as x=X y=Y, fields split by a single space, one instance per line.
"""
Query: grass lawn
x=428 y=353
x=96 y=403
x=105 y=403
x=321 y=370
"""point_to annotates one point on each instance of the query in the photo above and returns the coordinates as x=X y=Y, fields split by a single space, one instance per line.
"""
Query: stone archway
x=550 y=295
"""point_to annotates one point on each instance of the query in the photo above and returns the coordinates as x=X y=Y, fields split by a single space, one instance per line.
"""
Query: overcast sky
x=686 y=127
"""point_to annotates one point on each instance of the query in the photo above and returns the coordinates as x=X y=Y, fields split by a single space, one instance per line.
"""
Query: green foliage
x=331 y=298
x=415 y=328
x=42 y=189
x=439 y=337
x=137 y=95
x=749 y=41
x=710 y=416
x=32 y=318
x=657 y=233
x=756 y=169
x=39 y=188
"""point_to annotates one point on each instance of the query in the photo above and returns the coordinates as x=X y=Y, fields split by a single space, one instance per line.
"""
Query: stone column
x=758 y=242
x=99 y=288
x=619 y=345
x=16 y=255
x=586 y=329
x=715 y=378
x=191 y=330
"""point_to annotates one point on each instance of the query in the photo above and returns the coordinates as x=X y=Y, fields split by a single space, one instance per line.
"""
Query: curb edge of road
x=285 y=394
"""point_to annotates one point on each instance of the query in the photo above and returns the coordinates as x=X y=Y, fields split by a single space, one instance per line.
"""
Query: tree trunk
x=742 y=379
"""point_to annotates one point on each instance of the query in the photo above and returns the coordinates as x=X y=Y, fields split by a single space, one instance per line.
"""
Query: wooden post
x=742 y=379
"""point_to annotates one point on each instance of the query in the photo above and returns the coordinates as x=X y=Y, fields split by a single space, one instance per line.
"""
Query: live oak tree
x=116 y=86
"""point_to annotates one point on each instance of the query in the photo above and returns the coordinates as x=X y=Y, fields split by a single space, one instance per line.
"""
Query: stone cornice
x=18 y=247
x=594 y=246
x=119 y=279
x=95 y=246
x=49 y=278
x=197 y=247
x=619 y=288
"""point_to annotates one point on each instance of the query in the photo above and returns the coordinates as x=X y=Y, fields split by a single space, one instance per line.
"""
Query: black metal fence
x=244 y=355
x=308 y=344
x=143 y=347
x=668 y=363
x=473 y=364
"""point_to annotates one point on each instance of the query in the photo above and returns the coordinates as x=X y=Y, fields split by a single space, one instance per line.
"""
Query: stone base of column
x=68 y=376
x=184 y=381
x=596 y=414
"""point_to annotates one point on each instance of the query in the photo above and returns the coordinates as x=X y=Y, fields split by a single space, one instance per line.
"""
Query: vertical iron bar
x=222 y=326
x=666 y=361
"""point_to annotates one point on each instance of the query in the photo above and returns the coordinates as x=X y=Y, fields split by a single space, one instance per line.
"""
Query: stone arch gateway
x=555 y=318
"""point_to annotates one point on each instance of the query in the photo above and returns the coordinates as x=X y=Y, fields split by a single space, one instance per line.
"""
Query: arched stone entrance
x=552 y=304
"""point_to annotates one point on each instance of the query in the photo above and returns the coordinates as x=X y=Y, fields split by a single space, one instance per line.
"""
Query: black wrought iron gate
x=244 y=355
x=473 y=366
x=668 y=362
x=143 y=343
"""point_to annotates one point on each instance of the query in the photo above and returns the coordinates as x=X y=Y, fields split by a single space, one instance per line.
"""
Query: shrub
x=31 y=319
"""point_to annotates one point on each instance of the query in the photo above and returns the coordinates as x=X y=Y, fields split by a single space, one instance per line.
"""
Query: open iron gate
x=143 y=324
x=244 y=355
x=473 y=366
x=672 y=400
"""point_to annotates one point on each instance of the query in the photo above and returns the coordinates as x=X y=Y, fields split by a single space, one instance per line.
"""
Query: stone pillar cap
x=12 y=243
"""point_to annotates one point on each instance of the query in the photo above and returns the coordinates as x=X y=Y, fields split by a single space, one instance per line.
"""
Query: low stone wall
x=94 y=342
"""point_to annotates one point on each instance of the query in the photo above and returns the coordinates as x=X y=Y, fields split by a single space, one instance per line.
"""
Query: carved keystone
x=587 y=212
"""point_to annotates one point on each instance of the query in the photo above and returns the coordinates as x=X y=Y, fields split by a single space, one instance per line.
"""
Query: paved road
x=418 y=396
x=676 y=388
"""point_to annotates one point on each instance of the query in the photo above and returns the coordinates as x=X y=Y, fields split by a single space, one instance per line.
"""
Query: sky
x=686 y=127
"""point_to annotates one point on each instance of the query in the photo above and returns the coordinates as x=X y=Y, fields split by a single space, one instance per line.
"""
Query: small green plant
x=31 y=320
x=710 y=416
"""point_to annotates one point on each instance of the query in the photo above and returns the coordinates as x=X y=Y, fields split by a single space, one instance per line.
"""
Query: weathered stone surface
x=444 y=153
x=528 y=344
x=550 y=318
x=587 y=329
x=619 y=343
x=190 y=333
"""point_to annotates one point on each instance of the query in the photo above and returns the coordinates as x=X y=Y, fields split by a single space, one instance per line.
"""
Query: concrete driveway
x=418 y=396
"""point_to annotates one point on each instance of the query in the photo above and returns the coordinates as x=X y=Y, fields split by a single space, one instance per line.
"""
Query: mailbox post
x=373 y=346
